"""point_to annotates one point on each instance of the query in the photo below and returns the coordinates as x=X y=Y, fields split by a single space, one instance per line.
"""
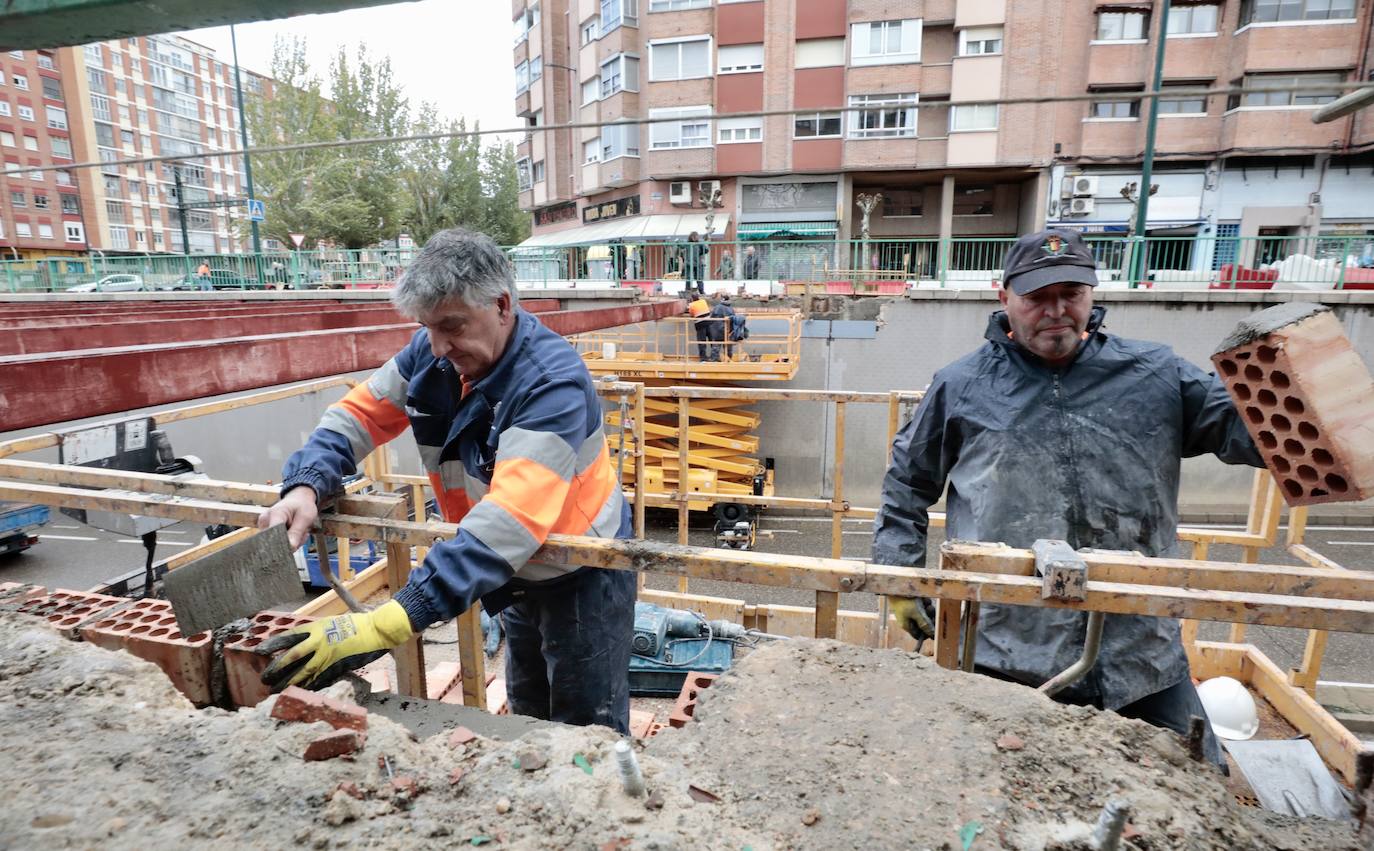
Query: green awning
x=785 y=230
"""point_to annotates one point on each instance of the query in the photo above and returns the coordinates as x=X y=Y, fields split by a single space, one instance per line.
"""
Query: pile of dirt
x=806 y=744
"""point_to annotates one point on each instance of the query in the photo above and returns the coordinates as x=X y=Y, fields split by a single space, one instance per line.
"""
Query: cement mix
x=805 y=745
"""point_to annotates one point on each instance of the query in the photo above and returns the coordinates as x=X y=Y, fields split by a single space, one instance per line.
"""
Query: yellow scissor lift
x=723 y=457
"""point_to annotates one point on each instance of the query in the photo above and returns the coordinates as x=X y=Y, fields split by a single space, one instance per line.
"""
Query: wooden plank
x=1337 y=745
x=470 y=658
x=1307 y=673
x=713 y=608
x=1207 y=659
x=853 y=627
x=1249 y=555
x=639 y=465
x=1188 y=628
x=684 y=420
x=828 y=603
x=410 y=657
x=947 y=633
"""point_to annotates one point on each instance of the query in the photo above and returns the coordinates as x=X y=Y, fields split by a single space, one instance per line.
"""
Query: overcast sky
x=453 y=53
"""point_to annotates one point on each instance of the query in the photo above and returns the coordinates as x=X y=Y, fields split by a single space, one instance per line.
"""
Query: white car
x=111 y=284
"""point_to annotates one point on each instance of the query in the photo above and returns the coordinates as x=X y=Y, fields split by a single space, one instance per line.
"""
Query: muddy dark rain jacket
x=1088 y=453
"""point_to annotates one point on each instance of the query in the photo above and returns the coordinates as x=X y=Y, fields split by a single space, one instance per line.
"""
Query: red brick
x=686 y=706
x=496 y=697
x=640 y=723
x=15 y=593
x=148 y=629
x=460 y=736
x=337 y=743
x=441 y=679
x=242 y=667
x=378 y=677
x=296 y=704
x=1308 y=402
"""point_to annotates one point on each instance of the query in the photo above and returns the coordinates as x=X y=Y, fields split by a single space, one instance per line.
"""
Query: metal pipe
x=1110 y=825
x=631 y=779
x=1092 y=643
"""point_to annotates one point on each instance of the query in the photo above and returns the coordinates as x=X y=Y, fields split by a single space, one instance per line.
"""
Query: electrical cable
x=1171 y=94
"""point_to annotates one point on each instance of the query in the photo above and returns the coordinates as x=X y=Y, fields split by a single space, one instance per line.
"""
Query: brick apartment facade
x=41 y=213
x=1252 y=164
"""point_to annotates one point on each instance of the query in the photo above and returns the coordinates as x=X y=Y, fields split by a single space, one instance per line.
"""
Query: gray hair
x=455 y=263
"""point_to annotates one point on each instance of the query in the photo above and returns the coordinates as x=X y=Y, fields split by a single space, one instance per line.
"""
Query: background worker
x=509 y=428
x=703 y=328
x=1055 y=429
x=723 y=316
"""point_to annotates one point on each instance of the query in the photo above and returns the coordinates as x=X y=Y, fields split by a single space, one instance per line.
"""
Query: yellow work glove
x=319 y=653
x=916 y=615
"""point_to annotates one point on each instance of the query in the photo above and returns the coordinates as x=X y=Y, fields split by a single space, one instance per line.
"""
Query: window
x=693 y=132
x=96 y=78
x=71 y=205
x=4 y=107
x=1283 y=11
x=23 y=229
x=119 y=238
x=45 y=62
x=680 y=60
x=673 y=5
x=614 y=13
x=36 y=176
x=739 y=58
x=819 y=52
x=114 y=210
x=877 y=116
x=903 y=202
x=736 y=130
x=522 y=78
x=591 y=151
x=974 y=200
x=30 y=143
x=536 y=68
x=45 y=231
x=619 y=140
x=40 y=202
x=972 y=117
x=57 y=117
x=590 y=30
x=817 y=125
x=539 y=172
x=113 y=188
x=522 y=173
x=525 y=22
x=75 y=232
x=1193 y=20
x=52 y=89
x=100 y=108
x=18 y=199
x=1183 y=106
x=116 y=60
x=980 y=41
x=127 y=137
x=1118 y=109
x=135 y=66
x=1122 y=26
x=1285 y=99
x=20 y=82
x=591 y=91
x=119 y=85
x=7 y=138
x=61 y=147
x=104 y=135
x=64 y=178
x=619 y=73
x=886 y=42
x=26 y=112
x=94 y=54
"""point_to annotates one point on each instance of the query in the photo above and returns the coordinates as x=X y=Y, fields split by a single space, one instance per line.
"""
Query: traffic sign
x=257 y=210
x=298 y=238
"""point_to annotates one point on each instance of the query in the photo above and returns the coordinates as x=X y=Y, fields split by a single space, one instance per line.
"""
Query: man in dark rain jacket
x=1056 y=429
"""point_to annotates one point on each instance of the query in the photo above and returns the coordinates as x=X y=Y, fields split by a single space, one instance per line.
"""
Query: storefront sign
x=555 y=214
x=617 y=209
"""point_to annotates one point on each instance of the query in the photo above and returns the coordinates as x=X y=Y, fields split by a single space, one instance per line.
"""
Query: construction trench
x=802 y=743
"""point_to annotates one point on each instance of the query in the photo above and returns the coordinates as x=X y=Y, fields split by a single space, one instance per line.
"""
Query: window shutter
x=696 y=59
x=911 y=37
x=859 y=40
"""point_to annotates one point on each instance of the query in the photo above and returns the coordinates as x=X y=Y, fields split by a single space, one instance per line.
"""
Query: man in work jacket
x=509 y=429
x=1056 y=429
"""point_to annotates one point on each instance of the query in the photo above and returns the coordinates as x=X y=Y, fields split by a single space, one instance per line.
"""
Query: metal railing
x=875 y=266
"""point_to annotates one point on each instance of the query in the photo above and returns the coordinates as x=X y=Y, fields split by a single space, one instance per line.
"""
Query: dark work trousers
x=1172 y=709
x=568 y=650
x=706 y=334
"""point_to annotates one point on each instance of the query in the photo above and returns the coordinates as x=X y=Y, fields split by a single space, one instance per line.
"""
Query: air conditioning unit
x=1084 y=187
x=1081 y=206
x=710 y=187
x=680 y=192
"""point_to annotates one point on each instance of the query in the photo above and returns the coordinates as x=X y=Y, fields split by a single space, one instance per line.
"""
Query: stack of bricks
x=1307 y=400
x=687 y=699
x=148 y=629
x=242 y=667
x=68 y=611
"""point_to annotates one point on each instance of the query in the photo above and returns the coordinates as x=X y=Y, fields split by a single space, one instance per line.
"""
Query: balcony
x=670 y=163
x=619 y=106
x=522 y=104
x=1265 y=127
x=1275 y=47
x=936 y=79
x=621 y=171
x=880 y=153
x=1110 y=137
x=1118 y=63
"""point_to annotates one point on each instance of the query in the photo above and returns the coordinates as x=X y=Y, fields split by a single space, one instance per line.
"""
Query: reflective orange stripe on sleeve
x=383 y=420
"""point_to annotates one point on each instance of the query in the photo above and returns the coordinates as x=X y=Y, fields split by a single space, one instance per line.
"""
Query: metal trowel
x=238 y=581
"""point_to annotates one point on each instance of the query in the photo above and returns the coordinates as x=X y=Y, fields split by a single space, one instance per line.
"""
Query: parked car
x=122 y=283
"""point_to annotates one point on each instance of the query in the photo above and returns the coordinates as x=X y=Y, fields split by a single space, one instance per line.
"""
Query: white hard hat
x=1230 y=708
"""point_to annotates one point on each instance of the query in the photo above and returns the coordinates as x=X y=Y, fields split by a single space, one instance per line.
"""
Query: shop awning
x=783 y=230
x=633 y=229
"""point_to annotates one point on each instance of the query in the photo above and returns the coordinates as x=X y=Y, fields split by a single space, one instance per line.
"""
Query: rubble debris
x=299 y=705
x=330 y=745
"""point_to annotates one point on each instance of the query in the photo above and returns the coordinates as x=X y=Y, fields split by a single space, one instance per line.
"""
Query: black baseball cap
x=1049 y=257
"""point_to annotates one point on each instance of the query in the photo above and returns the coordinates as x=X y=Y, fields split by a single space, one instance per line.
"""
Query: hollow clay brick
x=1307 y=400
x=148 y=629
x=687 y=699
x=441 y=679
x=242 y=667
x=296 y=704
x=67 y=611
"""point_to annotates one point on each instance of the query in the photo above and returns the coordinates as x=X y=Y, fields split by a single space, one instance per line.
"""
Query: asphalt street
x=77 y=556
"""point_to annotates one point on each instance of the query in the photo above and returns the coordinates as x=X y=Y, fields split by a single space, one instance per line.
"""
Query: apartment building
x=158 y=96
x=40 y=212
x=890 y=91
